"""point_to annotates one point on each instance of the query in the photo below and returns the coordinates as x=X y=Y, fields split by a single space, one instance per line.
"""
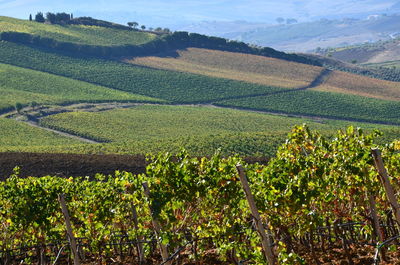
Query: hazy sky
x=185 y=11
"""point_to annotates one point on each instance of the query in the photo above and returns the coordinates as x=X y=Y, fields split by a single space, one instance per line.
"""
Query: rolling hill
x=21 y=85
x=308 y=35
x=242 y=67
x=169 y=74
x=79 y=34
x=367 y=54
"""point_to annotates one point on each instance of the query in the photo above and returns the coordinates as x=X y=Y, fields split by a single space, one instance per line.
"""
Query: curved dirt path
x=76 y=137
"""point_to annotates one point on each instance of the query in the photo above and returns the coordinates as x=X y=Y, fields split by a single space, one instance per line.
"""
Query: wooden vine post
x=266 y=240
x=139 y=244
x=71 y=238
x=157 y=227
x=384 y=178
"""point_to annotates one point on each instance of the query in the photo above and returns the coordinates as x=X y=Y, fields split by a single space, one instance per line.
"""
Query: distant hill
x=307 y=36
x=384 y=73
x=373 y=53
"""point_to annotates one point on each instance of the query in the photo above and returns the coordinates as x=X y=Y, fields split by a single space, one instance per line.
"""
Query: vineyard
x=319 y=199
x=80 y=34
x=347 y=83
x=25 y=86
x=19 y=135
x=184 y=87
x=168 y=85
x=200 y=130
x=323 y=104
x=243 y=67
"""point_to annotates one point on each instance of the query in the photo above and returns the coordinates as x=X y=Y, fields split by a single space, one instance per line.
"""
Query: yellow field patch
x=235 y=66
x=348 y=83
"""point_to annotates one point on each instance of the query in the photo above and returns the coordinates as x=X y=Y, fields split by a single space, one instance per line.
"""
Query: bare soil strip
x=77 y=165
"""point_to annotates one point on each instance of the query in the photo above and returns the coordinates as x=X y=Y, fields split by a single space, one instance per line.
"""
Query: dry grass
x=236 y=66
x=347 y=83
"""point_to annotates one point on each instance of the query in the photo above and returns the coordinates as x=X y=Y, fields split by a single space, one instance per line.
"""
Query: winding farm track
x=65 y=134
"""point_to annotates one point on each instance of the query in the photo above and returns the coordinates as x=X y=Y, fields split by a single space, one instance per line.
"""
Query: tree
x=51 y=17
x=30 y=17
x=39 y=17
x=143 y=27
x=34 y=104
x=18 y=107
x=72 y=16
x=133 y=24
x=62 y=17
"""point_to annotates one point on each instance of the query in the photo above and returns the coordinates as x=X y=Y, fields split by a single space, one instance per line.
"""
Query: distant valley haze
x=250 y=21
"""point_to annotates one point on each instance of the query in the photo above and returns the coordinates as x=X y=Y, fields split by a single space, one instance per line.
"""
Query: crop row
x=324 y=104
x=347 y=83
x=168 y=85
x=25 y=85
x=312 y=181
x=200 y=130
x=19 y=135
x=236 y=66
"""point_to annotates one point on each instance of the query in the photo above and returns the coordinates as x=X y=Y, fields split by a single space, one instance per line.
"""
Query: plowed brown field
x=75 y=165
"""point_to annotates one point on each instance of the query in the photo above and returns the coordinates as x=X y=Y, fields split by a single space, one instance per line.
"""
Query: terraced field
x=25 y=86
x=347 y=83
x=236 y=66
x=80 y=34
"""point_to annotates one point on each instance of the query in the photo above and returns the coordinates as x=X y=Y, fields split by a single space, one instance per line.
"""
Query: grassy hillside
x=80 y=34
x=236 y=66
x=16 y=134
x=25 y=85
x=323 y=104
x=347 y=83
x=168 y=85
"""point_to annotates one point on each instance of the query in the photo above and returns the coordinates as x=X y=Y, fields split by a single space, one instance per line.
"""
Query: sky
x=175 y=12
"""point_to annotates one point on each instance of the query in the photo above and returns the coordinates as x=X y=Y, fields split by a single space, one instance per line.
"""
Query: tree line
x=53 y=18
x=166 y=42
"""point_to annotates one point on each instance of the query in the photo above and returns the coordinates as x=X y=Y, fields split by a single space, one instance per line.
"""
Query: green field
x=80 y=34
x=168 y=85
x=16 y=134
x=201 y=130
x=324 y=104
x=25 y=86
